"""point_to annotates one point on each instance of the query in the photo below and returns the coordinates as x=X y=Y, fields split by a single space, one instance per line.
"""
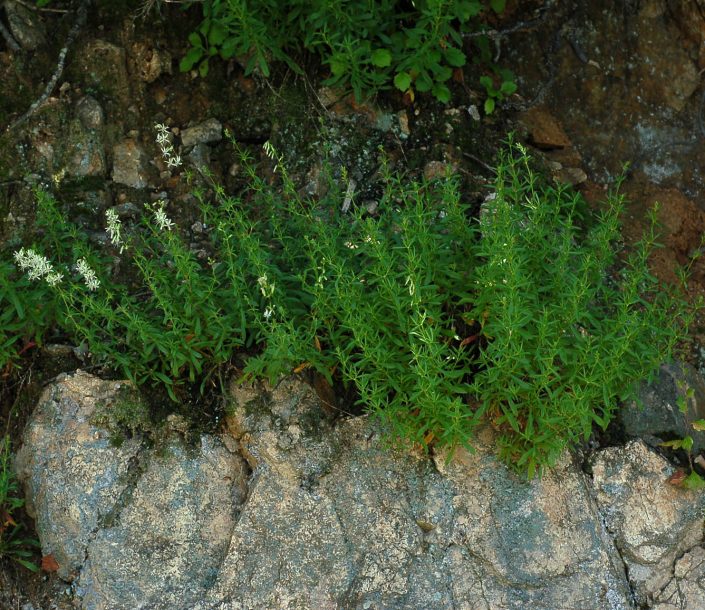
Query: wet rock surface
x=324 y=516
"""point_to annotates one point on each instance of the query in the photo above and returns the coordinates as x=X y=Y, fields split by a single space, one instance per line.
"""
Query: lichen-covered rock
x=342 y=522
x=164 y=549
x=130 y=164
x=132 y=526
x=102 y=66
x=72 y=474
x=653 y=523
x=331 y=518
x=210 y=130
x=25 y=25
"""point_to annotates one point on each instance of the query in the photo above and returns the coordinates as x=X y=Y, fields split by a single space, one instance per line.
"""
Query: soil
x=586 y=104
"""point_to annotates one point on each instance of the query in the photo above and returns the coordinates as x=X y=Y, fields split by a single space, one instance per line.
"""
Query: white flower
x=54 y=278
x=265 y=287
x=113 y=229
x=36 y=266
x=268 y=313
x=88 y=275
x=174 y=161
x=164 y=142
x=160 y=217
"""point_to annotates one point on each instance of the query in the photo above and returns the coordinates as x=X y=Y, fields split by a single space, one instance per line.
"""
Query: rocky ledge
x=286 y=510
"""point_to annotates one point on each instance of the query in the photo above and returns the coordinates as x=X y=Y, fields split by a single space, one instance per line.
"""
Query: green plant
x=569 y=328
x=25 y=314
x=529 y=318
x=13 y=544
x=367 y=45
x=693 y=480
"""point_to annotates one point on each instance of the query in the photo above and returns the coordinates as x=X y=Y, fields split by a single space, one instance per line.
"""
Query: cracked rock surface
x=653 y=523
x=287 y=510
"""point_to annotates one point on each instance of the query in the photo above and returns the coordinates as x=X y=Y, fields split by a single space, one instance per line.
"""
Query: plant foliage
x=13 y=543
x=366 y=45
x=531 y=318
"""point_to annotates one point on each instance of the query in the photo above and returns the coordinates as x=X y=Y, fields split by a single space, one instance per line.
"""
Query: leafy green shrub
x=25 y=314
x=526 y=318
x=13 y=544
x=568 y=330
x=367 y=45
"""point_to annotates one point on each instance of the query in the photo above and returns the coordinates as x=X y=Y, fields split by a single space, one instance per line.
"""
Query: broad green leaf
x=381 y=58
x=441 y=93
x=693 y=481
x=508 y=87
x=489 y=105
x=424 y=82
x=203 y=69
x=195 y=40
x=191 y=59
x=402 y=81
x=338 y=65
x=455 y=57
x=498 y=5
x=217 y=34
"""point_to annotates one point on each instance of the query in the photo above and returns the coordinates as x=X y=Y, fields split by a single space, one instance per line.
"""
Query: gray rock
x=73 y=476
x=344 y=523
x=686 y=590
x=167 y=544
x=658 y=417
x=210 y=130
x=134 y=527
x=25 y=25
x=653 y=523
x=90 y=112
x=83 y=150
x=330 y=517
x=102 y=66
x=130 y=164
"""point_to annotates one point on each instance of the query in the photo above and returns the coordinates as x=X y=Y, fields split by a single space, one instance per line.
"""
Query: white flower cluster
x=160 y=217
x=113 y=229
x=37 y=266
x=272 y=153
x=265 y=287
x=88 y=275
x=164 y=140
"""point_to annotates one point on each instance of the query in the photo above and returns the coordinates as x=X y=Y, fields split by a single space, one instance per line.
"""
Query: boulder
x=653 y=523
x=290 y=509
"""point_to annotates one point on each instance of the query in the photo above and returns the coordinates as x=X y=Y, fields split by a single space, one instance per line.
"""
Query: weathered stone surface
x=331 y=518
x=344 y=523
x=167 y=544
x=149 y=62
x=544 y=130
x=130 y=164
x=686 y=590
x=653 y=523
x=210 y=130
x=72 y=474
x=102 y=65
x=134 y=527
x=83 y=150
x=25 y=25
x=90 y=112
x=659 y=417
